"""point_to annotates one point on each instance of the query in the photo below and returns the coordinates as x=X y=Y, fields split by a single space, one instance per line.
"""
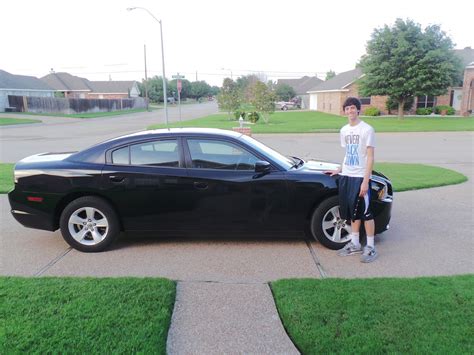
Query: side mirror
x=262 y=166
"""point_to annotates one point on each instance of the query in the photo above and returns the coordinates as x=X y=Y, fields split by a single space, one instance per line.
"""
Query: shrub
x=253 y=116
x=372 y=111
x=239 y=113
x=424 y=111
x=449 y=110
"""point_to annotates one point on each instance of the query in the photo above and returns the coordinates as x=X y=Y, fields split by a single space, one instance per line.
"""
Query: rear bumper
x=29 y=216
x=383 y=213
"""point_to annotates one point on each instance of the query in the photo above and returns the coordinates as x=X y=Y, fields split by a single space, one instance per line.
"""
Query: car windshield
x=285 y=162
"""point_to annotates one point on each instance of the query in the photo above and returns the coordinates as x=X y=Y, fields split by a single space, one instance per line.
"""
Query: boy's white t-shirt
x=356 y=139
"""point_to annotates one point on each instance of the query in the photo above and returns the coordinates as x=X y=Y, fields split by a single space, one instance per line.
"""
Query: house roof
x=12 y=81
x=339 y=82
x=466 y=55
x=66 y=82
x=301 y=85
x=109 y=87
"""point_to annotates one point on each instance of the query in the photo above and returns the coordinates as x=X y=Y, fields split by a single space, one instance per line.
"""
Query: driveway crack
x=316 y=260
x=52 y=262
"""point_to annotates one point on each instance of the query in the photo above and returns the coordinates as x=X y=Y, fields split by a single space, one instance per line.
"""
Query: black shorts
x=353 y=207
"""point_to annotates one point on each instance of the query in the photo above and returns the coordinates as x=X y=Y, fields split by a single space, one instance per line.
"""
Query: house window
x=365 y=100
x=425 y=101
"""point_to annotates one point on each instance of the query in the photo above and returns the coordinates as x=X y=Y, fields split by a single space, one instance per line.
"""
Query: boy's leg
x=370 y=253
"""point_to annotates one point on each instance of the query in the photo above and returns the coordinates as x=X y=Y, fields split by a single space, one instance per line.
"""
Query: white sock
x=355 y=239
x=371 y=241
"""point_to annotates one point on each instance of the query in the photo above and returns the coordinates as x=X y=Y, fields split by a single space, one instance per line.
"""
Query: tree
x=200 y=89
x=155 y=89
x=284 y=92
x=215 y=90
x=229 y=97
x=263 y=99
x=404 y=61
x=330 y=74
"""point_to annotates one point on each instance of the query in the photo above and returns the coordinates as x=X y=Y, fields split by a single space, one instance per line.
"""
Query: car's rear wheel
x=328 y=227
x=89 y=224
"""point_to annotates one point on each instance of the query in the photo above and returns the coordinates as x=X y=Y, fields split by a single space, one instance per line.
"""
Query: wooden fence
x=71 y=106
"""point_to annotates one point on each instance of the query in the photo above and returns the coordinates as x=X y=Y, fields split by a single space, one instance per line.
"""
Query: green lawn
x=311 y=121
x=432 y=315
x=403 y=176
x=6 y=177
x=85 y=315
x=9 y=121
x=418 y=176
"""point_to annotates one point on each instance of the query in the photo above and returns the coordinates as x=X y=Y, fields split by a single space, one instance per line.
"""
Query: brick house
x=330 y=95
x=301 y=87
x=80 y=88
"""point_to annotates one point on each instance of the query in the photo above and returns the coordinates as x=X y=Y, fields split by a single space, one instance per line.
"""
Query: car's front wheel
x=89 y=224
x=328 y=227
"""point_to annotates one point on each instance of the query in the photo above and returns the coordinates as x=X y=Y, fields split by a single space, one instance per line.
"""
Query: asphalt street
x=224 y=303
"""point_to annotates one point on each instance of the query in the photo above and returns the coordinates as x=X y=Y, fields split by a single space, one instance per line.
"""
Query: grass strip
x=11 y=121
x=320 y=122
x=85 y=315
x=428 y=315
x=6 y=177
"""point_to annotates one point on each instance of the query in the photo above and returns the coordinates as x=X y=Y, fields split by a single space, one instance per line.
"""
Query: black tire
x=325 y=212
x=99 y=225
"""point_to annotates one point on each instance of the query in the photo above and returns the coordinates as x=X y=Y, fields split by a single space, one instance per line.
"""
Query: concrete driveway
x=224 y=303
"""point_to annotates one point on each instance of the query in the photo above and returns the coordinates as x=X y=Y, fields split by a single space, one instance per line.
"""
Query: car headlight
x=380 y=187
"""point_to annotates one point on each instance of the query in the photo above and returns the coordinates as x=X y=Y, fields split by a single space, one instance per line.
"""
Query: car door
x=146 y=182
x=227 y=193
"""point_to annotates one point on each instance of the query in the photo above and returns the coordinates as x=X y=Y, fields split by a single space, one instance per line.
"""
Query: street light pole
x=165 y=96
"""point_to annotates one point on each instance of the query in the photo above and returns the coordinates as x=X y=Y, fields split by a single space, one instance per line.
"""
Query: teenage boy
x=358 y=139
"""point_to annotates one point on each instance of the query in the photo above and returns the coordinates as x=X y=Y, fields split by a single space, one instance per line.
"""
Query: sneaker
x=350 y=249
x=369 y=255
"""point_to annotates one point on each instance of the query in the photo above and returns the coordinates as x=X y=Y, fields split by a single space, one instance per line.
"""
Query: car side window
x=155 y=153
x=120 y=156
x=214 y=154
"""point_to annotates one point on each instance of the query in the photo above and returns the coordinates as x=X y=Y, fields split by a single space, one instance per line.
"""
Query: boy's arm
x=364 y=187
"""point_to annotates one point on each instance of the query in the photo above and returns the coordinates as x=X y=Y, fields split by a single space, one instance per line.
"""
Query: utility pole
x=146 y=80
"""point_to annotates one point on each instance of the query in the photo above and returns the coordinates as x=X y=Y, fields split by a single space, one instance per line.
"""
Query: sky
x=206 y=39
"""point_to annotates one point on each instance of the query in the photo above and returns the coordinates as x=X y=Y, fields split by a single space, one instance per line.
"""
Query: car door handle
x=117 y=179
x=200 y=185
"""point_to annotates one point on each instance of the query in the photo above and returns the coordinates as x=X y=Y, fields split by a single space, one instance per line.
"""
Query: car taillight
x=34 y=199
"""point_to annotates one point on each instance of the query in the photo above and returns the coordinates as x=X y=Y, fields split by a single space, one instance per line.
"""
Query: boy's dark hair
x=352 y=101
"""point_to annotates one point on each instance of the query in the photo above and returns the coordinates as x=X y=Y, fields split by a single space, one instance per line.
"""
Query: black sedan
x=183 y=180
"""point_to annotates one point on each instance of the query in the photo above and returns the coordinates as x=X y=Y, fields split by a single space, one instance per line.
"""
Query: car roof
x=179 y=131
x=95 y=153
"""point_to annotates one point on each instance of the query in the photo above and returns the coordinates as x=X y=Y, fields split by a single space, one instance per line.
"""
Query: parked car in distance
x=294 y=103
x=183 y=180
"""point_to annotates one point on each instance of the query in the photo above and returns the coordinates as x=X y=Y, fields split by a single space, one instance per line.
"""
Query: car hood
x=314 y=165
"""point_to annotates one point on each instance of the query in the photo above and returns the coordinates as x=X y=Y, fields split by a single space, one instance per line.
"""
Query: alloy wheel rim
x=88 y=226
x=334 y=227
